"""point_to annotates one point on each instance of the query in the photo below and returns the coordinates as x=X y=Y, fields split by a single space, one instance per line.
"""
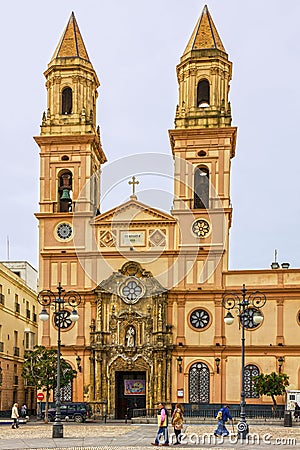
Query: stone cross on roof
x=134 y=182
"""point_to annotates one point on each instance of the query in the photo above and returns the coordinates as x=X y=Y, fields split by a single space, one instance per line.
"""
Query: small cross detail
x=133 y=182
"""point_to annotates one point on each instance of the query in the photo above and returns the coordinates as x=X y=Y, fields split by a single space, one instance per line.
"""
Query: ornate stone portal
x=130 y=336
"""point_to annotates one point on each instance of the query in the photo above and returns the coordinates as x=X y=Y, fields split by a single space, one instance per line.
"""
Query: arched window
x=65 y=191
x=203 y=94
x=66 y=393
x=66 y=101
x=250 y=371
x=199 y=383
x=201 y=188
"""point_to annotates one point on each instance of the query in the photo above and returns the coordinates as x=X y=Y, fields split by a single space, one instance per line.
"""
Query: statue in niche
x=130 y=337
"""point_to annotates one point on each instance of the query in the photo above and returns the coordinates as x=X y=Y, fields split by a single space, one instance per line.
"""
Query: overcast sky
x=134 y=46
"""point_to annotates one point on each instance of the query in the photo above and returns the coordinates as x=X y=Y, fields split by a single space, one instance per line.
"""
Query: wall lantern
x=179 y=360
x=78 y=361
x=280 y=363
x=217 y=361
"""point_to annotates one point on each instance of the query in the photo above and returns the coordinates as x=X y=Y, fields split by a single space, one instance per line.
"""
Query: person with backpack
x=222 y=416
x=162 y=420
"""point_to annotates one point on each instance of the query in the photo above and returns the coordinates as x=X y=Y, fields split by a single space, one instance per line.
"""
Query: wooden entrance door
x=129 y=399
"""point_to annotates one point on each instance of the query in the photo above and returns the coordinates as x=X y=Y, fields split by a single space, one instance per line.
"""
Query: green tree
x=272 y=384
x=40 y=371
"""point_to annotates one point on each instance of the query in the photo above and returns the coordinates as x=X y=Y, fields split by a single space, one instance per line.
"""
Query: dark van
x=78 y=411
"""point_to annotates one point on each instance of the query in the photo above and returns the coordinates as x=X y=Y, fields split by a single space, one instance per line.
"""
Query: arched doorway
x=129 y=386
x=199 y=383
x=130 y=392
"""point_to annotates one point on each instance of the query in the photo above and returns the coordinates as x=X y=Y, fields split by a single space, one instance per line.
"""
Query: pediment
x=133 y=211
x=131 y=271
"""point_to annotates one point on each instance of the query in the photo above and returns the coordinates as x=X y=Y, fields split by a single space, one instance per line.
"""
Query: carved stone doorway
x=130 y=393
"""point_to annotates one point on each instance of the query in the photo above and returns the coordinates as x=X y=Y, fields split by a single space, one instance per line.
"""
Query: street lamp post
x=47 y=298
x=248 y=309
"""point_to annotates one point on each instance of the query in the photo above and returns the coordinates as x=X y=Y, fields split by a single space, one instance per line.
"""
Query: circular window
x=64 y=231
x=246 y=318
x=63 y=319
x=131 y=291
x=199 y=319
x=201 y=228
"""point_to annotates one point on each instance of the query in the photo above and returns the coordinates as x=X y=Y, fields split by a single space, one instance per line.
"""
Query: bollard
x=287 y=419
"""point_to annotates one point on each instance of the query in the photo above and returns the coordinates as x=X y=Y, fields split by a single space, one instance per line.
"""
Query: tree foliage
x=272 y=384
x=40 y=371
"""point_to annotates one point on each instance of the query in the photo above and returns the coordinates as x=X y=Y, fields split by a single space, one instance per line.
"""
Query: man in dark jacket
x=223 y=415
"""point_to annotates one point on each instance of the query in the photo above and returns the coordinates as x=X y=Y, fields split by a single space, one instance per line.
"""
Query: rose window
x=199 y=318
x=246 y=318
x=201 y=228
x=131 y=291
x=63 y=319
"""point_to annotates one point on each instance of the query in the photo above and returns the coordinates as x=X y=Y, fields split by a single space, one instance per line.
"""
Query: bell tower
x=203 y=143
x=204 y=74
x=71 y=155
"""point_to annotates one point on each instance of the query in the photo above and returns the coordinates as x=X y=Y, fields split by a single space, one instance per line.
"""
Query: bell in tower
x=70 y=138
x=65 y=191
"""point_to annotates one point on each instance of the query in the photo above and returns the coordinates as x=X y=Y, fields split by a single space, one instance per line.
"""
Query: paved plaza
x=96 y=436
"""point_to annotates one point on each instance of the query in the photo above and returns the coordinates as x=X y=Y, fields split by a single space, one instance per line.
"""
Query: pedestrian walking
x=162 y=421
x=177 y=422
x=297 y=411
x=15 y=415
x=23 y=411
x=222 y=417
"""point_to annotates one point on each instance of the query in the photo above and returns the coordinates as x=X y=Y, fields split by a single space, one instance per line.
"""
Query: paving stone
x=95 y=436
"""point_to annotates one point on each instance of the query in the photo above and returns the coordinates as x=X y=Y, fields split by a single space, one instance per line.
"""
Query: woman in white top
x=15 y=415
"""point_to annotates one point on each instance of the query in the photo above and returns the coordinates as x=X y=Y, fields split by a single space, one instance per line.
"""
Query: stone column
x=92 y=375
x=219 y=323
x=280 y=337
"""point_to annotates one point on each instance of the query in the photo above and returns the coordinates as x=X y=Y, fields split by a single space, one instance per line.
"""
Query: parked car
x=71 y=411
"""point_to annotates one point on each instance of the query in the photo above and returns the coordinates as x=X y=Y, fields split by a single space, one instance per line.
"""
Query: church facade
x=152 y=284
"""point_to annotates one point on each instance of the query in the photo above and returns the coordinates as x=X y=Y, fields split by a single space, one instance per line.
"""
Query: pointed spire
x=71 y=44
x=205 y=35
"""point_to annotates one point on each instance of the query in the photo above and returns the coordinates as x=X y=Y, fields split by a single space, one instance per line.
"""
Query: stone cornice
x=74 y=139
x=202 y=133
x=65 y=139
x=112 y=214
